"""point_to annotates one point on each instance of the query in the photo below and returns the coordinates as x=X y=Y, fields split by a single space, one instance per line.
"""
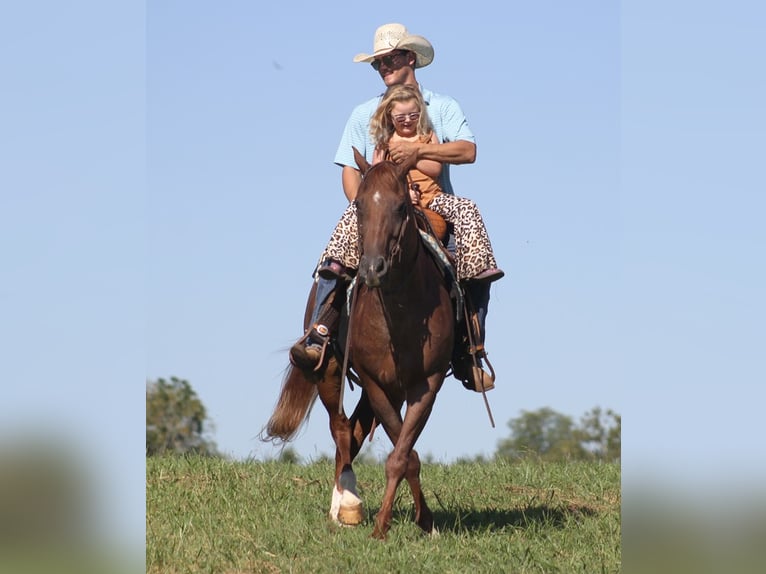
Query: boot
x=332 y=269
x=468 y=366
x=309 y=351
x=488 y=275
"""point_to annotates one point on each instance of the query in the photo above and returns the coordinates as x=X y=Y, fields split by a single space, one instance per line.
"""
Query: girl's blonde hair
x=382 y=124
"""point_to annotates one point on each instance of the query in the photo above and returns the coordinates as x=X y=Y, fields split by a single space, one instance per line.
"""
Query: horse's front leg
x=396 y=464
x=423 y=515
x=404 y=461
x=400 y=465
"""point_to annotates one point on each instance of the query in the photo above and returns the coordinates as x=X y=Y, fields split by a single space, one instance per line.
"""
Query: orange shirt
x=428 y=186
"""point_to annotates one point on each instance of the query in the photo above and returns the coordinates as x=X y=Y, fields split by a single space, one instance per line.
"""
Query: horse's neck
x=411 y=273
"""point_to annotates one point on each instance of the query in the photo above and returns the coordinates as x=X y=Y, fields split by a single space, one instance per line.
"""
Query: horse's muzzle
x=372 y=270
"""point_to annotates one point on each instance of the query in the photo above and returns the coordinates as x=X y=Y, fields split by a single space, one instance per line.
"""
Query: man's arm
x=455 y=152
x=430 y=167
x=354 y=136
x=350 y=178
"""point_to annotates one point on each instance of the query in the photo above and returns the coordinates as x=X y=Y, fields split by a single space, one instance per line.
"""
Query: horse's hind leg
x=346 y=506
x=361 y=423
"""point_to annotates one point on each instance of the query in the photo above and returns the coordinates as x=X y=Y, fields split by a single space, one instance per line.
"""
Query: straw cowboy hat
x=390 y=37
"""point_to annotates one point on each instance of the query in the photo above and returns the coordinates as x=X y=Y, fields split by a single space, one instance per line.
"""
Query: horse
x=400 y=339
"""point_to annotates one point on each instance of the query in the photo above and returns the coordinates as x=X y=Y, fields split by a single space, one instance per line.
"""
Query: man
x=396 y=55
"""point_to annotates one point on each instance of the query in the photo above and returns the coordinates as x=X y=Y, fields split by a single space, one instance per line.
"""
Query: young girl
x=401 y=116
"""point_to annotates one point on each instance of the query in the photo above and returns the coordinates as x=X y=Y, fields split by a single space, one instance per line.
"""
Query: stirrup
x=299 y=351
x=481 y=380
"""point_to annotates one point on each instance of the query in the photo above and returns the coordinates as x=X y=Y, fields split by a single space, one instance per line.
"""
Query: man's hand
x=403 y=152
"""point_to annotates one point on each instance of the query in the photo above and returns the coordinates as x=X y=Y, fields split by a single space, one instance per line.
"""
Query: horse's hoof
x=378 y=534
x=351 y=511
x=351 y=515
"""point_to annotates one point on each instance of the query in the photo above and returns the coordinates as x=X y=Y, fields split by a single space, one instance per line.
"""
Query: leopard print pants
x=473 y=248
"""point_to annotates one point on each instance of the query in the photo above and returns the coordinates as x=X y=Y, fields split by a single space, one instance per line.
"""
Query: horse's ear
x=360 y=161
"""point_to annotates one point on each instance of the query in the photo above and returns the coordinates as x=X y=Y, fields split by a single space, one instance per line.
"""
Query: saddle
x=433 y=224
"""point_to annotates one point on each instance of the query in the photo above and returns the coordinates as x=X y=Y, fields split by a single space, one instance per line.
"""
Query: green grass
x=211 y=515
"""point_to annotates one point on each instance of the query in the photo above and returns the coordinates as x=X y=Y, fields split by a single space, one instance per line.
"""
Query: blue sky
x=242 y=130
x=168 y=185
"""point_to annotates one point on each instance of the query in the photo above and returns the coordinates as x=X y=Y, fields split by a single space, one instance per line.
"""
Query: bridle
x=396 y=250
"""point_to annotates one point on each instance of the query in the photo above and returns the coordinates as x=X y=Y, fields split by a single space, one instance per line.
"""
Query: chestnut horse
x=400 y=341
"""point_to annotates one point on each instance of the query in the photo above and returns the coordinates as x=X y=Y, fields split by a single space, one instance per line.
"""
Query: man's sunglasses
x=389 y=60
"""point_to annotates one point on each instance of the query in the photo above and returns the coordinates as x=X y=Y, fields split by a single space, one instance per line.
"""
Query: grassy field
x=216 y=516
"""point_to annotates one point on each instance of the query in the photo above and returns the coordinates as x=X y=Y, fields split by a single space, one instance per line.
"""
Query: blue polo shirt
x=444 y=112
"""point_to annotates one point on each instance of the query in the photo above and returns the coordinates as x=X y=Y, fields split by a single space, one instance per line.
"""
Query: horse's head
x=383 y=209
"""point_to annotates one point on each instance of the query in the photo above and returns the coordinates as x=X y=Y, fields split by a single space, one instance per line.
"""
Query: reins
x=396 y=250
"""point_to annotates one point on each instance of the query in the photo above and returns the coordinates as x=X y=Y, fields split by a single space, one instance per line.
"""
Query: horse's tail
x=293 y=407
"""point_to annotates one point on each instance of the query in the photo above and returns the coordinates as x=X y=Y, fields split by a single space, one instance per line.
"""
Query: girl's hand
x=415 y=193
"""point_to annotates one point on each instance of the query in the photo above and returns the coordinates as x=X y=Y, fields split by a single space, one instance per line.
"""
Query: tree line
x=177 y=422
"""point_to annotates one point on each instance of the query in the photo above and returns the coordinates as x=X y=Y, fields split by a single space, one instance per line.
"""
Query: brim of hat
x=424 y=52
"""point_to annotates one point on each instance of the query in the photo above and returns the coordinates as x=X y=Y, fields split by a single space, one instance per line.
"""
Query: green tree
x=614 y=438
x=175 y=419
x=600 y=434
x=554 y=437
x=545 y=433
